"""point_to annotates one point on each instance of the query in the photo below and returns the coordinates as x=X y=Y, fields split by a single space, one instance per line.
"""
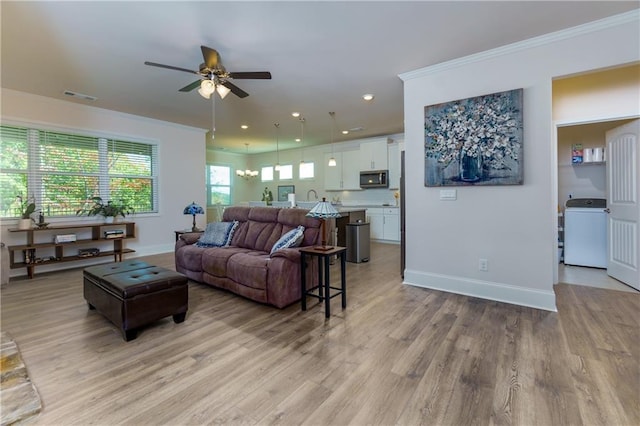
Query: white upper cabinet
x=373 y=155
x=393 y=151
x=345 y=175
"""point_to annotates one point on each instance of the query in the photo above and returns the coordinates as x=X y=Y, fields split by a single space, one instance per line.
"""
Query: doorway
x=582 y=180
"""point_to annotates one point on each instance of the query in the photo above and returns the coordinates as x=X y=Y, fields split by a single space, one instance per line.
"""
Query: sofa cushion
x=217 y=234
x=249 y=269
x=214 y=260
x=290 y=239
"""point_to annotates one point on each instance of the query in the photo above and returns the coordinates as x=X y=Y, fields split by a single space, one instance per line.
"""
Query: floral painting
x=474 y=141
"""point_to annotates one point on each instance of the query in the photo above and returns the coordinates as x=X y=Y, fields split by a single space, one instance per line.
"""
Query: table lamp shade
x=193 y=209
x=323 y=210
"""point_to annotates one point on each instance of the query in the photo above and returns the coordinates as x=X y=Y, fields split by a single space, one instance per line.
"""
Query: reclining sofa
x=246 y=266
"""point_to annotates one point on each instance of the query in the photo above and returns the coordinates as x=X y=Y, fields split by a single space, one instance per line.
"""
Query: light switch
x=448 y=194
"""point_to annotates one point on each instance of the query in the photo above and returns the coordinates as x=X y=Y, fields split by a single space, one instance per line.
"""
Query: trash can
x=358 y=245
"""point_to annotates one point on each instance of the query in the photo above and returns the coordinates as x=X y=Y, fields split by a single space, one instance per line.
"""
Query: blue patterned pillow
x=217 y=234
x=292 y=238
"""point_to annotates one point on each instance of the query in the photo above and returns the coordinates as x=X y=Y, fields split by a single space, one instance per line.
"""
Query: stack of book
x=114 y=233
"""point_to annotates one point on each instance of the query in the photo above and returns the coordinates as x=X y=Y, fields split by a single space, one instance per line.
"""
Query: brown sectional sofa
x=246 y=267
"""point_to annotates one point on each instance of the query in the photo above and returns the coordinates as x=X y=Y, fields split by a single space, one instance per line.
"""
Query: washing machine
x=585 y=232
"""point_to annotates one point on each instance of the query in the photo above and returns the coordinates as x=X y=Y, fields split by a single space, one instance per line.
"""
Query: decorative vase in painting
x=470 y=165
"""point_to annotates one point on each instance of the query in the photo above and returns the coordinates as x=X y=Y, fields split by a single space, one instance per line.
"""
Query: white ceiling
x=323 y=56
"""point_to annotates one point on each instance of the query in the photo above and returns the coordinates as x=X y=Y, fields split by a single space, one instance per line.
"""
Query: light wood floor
x=396 y=355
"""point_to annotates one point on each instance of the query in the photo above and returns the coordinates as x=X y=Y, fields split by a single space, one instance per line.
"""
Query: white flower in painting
x=486 y=126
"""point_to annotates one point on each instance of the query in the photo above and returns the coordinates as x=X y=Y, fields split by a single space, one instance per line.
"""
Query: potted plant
x=26 y=209
x=111 y=210
x=267 y=196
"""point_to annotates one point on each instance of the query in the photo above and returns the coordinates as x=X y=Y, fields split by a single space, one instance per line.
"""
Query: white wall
x=181 y=154
x=514 y=227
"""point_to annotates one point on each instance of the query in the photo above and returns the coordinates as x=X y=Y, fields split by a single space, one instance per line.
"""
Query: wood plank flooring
x=398 y=355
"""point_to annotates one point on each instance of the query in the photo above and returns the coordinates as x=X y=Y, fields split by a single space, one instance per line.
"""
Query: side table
x=324 y=259
x=185 y=231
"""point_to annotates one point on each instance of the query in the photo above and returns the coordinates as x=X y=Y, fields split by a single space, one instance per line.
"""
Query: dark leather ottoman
x=134 y=293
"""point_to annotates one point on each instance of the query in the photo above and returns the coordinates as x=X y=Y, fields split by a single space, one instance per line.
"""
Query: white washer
x=585 y=236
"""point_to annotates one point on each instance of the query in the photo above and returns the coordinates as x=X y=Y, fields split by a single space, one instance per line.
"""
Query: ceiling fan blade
x=261 y=75
x=235 y=89
x=211 y=57
x=153 y=64
x=190 y=87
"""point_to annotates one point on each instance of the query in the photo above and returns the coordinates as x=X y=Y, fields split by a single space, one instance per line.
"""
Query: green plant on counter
x=267 y=196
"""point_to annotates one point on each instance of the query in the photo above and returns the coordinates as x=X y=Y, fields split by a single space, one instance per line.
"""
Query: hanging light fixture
x=332 y=160
x=302 y=138
x=277 y=167
x=247 y=174
x=208 y=86
x=222 y=90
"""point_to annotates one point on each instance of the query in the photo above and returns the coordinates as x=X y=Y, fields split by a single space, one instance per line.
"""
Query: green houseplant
x=26 y=209
x=110 y=209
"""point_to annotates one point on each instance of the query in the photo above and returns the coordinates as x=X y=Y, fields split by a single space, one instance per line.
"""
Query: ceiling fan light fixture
x=207 y=87
x=222 y=90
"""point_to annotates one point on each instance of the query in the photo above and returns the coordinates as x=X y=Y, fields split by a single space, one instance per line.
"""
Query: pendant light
x=302 y=138
x=332 y=160
x=277 y=167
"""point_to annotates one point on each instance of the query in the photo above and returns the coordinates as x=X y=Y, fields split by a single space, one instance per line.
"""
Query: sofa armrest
x=190 y=237
x=292 y=254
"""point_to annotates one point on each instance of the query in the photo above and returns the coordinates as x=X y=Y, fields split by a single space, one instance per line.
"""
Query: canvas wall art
x=475 y=141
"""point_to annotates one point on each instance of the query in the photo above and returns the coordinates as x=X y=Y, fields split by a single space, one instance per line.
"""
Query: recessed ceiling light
x=244 y=127
x=345 y=132
x=295 y=114
x=297 y=139
x=368 y=97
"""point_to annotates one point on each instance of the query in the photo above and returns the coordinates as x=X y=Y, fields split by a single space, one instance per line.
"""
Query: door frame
x=554 y=161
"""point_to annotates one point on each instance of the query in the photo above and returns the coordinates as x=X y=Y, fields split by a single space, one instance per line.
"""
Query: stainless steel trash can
x=358 y=242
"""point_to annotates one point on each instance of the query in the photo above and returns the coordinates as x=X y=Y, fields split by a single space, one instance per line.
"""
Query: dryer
x=585 y=236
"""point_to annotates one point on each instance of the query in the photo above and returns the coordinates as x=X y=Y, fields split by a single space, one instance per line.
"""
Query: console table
x=324 y=259
x=29 y=249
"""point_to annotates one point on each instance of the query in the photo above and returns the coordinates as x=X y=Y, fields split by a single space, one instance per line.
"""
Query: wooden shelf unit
x=59 y=248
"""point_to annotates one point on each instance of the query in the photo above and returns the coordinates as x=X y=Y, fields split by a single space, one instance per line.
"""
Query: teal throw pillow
x=217 y=234
x=292 y=238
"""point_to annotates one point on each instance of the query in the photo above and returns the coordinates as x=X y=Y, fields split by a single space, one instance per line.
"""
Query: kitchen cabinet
x=393 y=153
x=344 y=176
x=373 y=155
x=384 y=223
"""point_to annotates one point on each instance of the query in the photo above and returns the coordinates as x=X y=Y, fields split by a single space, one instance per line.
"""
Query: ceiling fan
x=214 y=77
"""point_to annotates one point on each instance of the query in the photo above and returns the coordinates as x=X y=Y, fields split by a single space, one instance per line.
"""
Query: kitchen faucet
x=314 y=192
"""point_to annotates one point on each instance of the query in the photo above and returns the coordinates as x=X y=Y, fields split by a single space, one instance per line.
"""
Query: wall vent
x=79 y=95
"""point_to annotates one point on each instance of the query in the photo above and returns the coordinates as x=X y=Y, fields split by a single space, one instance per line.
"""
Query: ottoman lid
x=142 y=281
x=99 y=271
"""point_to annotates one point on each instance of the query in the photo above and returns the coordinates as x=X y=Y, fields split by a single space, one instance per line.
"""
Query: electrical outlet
x=483 y=265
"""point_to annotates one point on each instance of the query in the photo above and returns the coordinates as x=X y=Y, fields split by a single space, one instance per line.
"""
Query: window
x=62 y=172
x=267 y=174
x=218 y=185
x=286 y=172
x=307 y=170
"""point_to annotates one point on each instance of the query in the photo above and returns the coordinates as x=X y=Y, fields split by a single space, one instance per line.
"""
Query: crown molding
x=590 y=27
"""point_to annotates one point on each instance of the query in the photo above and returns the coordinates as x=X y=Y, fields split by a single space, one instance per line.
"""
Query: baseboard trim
x=538 y=299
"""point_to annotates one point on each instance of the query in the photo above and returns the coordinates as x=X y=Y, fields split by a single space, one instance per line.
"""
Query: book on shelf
x=114 y=233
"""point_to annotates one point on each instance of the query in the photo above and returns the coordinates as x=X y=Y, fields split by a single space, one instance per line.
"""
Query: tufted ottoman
x=134 y=293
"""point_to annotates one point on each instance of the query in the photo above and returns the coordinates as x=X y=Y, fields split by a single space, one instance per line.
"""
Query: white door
x=623 y=163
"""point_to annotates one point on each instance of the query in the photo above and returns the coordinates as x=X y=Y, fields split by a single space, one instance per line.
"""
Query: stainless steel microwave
x=374 y=179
